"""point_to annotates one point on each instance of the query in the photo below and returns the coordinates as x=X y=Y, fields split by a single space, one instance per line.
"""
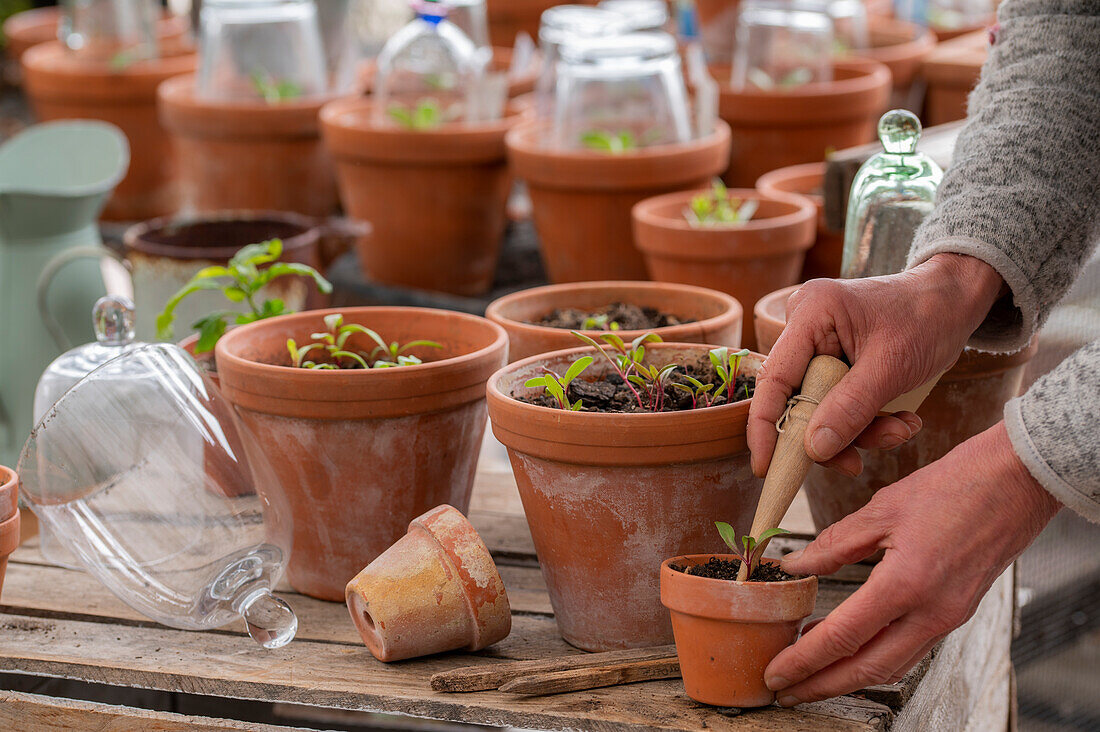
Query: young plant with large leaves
x=749 y=549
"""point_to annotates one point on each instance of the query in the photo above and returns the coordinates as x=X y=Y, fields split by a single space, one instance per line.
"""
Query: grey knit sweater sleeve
x=1023 y=195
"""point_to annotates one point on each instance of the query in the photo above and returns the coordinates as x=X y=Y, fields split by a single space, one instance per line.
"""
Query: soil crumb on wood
x=725 y=569
x=627 y=317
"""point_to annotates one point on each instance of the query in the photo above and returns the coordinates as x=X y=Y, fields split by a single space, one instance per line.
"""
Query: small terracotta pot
x=436 y=589
x=9 y=517
x=582 y=198
x=609 y=496
x=361 y=453
x=824 y=257
x=951 y=71
x=775 y=129
x=902 y=47
x=747 y=261
x=716 y=317
x=436 y=198
x=248 y=154
x=949 y=34
x=728 y=632
x=967 y=400
x=60 y=86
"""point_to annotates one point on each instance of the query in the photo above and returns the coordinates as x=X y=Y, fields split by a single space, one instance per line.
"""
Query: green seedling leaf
x=728 y=534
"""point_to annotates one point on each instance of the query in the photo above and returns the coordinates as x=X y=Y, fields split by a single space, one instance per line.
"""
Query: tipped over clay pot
x=9 y=517
x=609 y=496
x=714 y=316
x=774 y=129
x=748 y=260
x=360 y=453
x=436 y=198
x=59 y=85
x=581 y=199
x=436 y=589
x=248 y=154
x=824 y=257
x=728 y=632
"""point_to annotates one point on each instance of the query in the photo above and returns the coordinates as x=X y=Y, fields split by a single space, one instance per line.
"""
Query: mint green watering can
x=54 y=180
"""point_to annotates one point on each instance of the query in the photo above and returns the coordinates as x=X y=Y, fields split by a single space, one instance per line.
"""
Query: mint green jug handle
x=43 y=287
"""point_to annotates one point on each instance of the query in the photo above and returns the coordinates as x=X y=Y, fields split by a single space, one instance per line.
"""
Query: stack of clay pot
x=9 y=517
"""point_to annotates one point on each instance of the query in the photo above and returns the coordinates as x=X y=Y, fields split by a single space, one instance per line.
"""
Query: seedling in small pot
x=558 y=386
x=333 y=343
x=700 y=392
x=718 y=207
x=274 y=90
x=240 y=281
x=627 y=360
x=610 y=142
x=599 y=322
x=750 y=549
x=727 y=365
x=427 y=114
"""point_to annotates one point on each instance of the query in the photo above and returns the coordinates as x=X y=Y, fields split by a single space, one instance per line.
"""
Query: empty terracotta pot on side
x=774 y=129
x=436 y=198
x=715 y=316
x=248 y=154
x=747 y=261
x=581 y=199
x=361 y=453
x=60 y=86
x=608 y=497
x=436 y=589
x=967 y=400
x=824 y=257
x=9 y=518
x=728 y=632
x=902 y=47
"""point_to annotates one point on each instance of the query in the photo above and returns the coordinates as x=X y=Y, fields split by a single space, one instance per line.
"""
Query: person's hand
x=898 y=332
x=949 y=530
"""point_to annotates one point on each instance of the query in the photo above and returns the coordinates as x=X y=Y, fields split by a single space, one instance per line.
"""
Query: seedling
x=611 y=142
x=599 y=322
x=274 y=90
x=558 y=386
x=627 y=360
x=333 y=342
x=239 y=281
x=424 y=116
x=718 y=208
x=749 y=549
x=727 y=365
x=700 y=392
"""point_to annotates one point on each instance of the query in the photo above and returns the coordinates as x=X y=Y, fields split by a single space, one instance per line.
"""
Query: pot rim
x=523 y=139
x=9 y=534
x=733 y=601
x=916 y=47
x=866 y=76
x=772 y=182
x=51 y=63
x=9 y=483
x=496 y=309
x=648 y=212
x=133 y=238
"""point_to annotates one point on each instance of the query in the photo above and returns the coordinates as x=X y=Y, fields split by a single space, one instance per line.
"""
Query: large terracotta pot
x=9 y=517
x=967 y=400
x=60 y=86
x=608 y=497
x=436 y=198
x=728 y=632
x=359 y=454
x=715 y=317
x=774 y=129
x=248 y=154
x=747 y=261
x=951 y=71
x=824 y=257
x=582 y=198
x=902 y=47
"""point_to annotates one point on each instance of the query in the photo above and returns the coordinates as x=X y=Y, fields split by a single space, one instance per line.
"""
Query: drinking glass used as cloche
x=561 y=25
x=472 y=18
x=117 y=32
x=781 y=45
x=140 y=470
x=640 y=15
x=619 y=93
x=428 y=70
x=260 y=49
x=850 y=26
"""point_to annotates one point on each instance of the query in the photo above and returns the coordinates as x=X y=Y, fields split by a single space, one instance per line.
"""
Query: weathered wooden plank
x=577 y=679
x=334 y=675
x=36 y=713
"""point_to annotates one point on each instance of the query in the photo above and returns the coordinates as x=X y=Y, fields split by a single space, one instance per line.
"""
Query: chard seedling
x=239 y=281
x=626 y=360
x=611 y=142
x=718 y=207
x=700 y=392
x=727 y=365
x=274 y=90
x=333 y=342
x=599 y=322
x=558 y=386
x=749 y=549
x=426 y=115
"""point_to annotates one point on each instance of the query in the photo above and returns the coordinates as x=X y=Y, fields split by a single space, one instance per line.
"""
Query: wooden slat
x=577 y=679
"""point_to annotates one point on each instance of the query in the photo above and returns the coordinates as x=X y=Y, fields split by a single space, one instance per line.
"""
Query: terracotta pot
x=728 y=632
x=967 y=400
x=59 y=86
x=902 y=47
x=509 y=17
x=717 y=24
x=248 y=154
x=775 y=129
x=951 y=71
x=769 y=317
x=361 y=453
x=824 y=257
x=716 y=317
x=880 y=8
x=164 y=254
x=609 y=496
x=435 y=198
x=949 y=34
x=437 y=589
x=9 y=517
x=747 y=261
x=582 y=198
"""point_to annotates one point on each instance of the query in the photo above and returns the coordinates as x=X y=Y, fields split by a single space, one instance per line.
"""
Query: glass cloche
x=117 y=32
x=782 y=45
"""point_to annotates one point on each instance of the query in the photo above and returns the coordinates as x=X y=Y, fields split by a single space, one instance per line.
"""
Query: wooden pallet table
x=60 y=623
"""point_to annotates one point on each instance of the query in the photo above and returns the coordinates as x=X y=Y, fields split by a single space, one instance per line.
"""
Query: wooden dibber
x=790 y=463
